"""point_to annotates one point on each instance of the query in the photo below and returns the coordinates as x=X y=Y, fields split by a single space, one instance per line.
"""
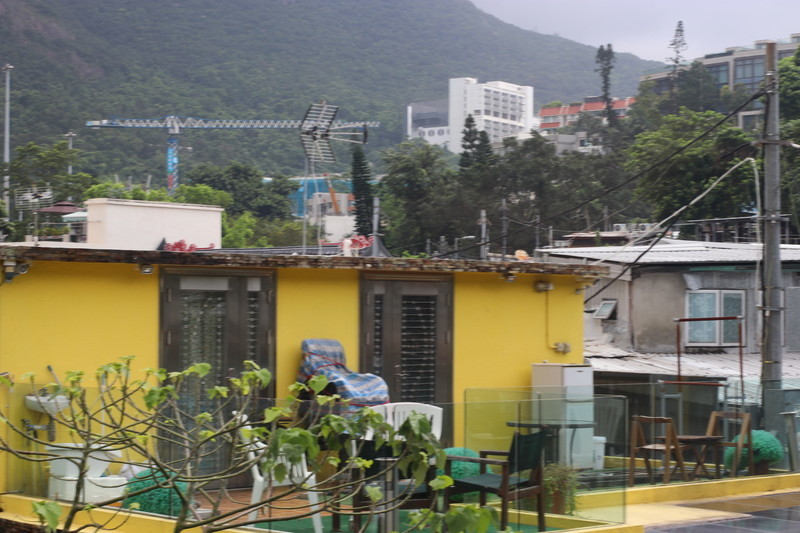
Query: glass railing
x=584 y=456
x=587 y=427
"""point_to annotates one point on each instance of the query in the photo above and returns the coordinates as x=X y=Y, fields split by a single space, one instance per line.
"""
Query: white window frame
x=719 y=324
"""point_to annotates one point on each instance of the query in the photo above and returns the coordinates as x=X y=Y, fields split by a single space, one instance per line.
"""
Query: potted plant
x=767 y=450
x=560 y=484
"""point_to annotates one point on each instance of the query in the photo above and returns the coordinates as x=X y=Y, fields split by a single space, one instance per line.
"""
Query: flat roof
x=242 y=258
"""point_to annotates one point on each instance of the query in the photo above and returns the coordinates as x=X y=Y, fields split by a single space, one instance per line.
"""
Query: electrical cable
x=664 y=225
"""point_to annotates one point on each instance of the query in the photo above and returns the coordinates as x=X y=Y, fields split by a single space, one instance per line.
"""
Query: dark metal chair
x=511 y=482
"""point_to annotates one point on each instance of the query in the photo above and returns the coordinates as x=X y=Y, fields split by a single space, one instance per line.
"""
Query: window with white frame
x=713 y=303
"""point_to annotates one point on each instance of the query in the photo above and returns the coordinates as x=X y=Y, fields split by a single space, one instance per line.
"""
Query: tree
x=362 y=191
x=605 y=58
x=678 y=46
x=675 y=183
x=247 y=187
x=412 y=195
x=477 y=148
x=789 y=87
x=238 y=231
x=141 y=414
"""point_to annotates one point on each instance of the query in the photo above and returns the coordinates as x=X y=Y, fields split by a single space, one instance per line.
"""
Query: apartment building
x=553 y=118
x=499 y=108
x=737 y=65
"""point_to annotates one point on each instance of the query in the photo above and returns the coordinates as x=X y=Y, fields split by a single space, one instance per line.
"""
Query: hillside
x=79 y=60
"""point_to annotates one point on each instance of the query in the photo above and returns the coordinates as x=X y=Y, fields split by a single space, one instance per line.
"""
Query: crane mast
x=317 y=128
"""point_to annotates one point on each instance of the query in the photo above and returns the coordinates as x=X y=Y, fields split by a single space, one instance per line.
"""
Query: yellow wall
x=81 y=315
x=501 y=328
x=314 y=304
x=77 y=316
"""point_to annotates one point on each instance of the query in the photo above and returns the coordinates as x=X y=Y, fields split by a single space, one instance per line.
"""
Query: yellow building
x=431 y=328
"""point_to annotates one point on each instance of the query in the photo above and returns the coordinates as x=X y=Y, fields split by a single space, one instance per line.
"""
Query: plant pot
x=761 y=468
x=558 y=503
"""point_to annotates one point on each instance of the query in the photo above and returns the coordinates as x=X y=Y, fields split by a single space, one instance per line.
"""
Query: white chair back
x=400 y=411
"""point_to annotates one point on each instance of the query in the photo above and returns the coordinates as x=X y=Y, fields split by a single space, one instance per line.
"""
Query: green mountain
x=79 y=60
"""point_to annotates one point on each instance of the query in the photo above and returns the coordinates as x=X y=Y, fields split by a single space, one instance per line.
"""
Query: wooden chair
x=716 y=426
x=667 y=445
x=524 y=456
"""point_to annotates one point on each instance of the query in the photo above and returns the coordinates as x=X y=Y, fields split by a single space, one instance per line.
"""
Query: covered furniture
x=519 y=475
x=326 y=357
x=651 y=435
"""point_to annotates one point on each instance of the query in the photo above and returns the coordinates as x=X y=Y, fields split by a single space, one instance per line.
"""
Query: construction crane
x=317 y=128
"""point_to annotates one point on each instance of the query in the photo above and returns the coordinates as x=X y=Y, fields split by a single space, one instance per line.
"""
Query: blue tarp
x=326 y=357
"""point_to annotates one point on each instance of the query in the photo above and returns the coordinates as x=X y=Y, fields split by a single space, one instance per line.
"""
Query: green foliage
x=48 y=513
x=156 y=493
x=362 y=191
x=789 y=87
x=176 y=422
x=411 y=194
x=238 y=231
x=560 y=483
x=675 y=184
x=605 y=60
x=91 y=59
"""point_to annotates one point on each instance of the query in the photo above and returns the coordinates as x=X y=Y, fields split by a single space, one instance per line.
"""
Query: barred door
x=407 y=337
x=218 y=319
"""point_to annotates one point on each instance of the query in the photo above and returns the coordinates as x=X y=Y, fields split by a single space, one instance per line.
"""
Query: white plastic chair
x=297 y=474
x=400 y=411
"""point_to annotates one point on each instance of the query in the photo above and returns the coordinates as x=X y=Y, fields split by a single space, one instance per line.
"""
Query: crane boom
x=317 y=128
x=175 y=123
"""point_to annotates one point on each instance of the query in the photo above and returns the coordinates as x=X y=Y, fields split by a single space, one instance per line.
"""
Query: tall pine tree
x=605 y=58
x=362 y=191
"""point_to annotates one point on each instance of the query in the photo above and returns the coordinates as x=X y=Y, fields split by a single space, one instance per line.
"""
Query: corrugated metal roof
x=673 y=251
x=607 y=358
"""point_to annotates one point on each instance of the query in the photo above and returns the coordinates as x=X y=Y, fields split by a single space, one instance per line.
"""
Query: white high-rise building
x=499 y=108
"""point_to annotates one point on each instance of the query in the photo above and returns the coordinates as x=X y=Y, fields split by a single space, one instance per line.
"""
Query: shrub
x=165 y=500
x=766 y=448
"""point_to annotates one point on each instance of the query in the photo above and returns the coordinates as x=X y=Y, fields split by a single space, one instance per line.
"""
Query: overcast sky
x=645 y=27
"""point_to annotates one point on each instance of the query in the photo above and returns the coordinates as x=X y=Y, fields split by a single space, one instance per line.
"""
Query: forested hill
x=79 y=60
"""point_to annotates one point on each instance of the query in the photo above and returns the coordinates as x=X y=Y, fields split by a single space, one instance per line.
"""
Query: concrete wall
x=656 y=299
x=139 y=225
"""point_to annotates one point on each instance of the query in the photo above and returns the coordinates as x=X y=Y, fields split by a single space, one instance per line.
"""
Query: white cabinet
x=563 y=398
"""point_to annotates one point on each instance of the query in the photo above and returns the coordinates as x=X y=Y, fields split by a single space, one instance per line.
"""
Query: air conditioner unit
x=620 y=227
x=645 y=227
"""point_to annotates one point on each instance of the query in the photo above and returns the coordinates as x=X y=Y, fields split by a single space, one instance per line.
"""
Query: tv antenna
x=33 y=199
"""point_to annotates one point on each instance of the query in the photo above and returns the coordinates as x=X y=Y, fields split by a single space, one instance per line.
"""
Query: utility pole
x=484 y=236
x=376 y=221
x=504 y=211
x=771 y=351
x=70 y=135
x=7 y=140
